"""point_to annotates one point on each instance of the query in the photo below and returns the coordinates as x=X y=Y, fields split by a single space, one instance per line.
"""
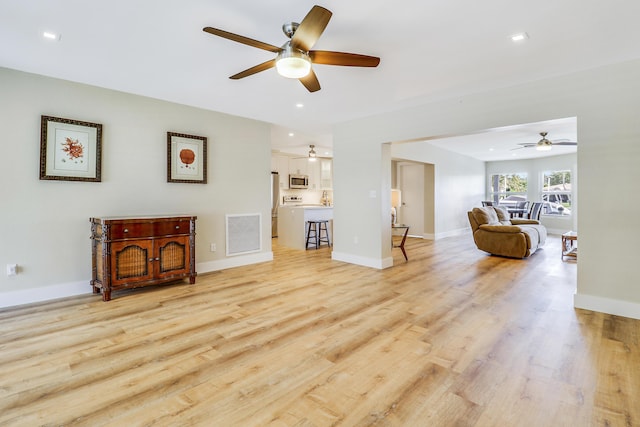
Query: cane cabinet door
x=172 y=255
x=131 y=261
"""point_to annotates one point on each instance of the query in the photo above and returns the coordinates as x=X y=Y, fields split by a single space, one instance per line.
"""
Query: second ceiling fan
x=295 y=57
x=544 y=144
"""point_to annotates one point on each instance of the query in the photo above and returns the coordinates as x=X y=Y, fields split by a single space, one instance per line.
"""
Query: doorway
x=416 y=181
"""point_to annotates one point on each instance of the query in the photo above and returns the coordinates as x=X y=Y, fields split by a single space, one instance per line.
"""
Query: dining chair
x=487 y=203
x=522 y=208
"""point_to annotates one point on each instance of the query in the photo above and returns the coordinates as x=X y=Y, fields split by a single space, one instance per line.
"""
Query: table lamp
x=396 y=201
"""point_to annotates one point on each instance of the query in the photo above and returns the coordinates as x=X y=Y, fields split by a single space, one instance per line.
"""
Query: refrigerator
x=275 y=201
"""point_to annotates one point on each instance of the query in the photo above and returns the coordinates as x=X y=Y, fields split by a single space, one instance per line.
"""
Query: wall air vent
x=244 y=233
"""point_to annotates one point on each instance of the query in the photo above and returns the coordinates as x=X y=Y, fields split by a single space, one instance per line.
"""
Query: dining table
x=517 y=212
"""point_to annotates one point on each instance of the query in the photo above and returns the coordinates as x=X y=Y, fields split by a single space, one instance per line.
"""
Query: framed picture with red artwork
x=70 y=150
x=186 y=158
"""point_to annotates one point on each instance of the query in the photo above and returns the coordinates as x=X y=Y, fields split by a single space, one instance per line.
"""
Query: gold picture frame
x=70 y=150
x=186 y=158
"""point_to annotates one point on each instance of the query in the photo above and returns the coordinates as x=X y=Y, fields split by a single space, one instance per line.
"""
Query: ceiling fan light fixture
x=519 y=37
x=292 y=63
x=312 y=153
x=544 y=144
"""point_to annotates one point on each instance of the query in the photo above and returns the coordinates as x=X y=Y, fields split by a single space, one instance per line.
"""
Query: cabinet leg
x=96 y=290
x=106 y=296
x=192 y=280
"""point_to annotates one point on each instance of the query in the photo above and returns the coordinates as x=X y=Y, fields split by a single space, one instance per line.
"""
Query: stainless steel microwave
x=298 y=181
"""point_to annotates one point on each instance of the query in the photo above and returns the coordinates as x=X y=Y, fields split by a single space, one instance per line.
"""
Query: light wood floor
x=453 y=337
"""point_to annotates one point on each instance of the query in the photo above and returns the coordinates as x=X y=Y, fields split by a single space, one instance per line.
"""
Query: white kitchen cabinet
x=299 y=166
x=320 y=174
x=326 y=174
x=280 y=164
x=313 y=170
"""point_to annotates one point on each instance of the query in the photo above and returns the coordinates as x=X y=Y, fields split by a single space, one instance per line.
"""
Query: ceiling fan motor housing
x=289 y=29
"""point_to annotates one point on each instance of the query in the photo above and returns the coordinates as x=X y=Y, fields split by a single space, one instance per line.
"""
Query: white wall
x=605 y=101
x=44 y=225
x=459 y=184
x=534 y=168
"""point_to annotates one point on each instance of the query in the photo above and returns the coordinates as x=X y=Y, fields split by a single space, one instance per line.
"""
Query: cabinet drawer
x=131 y=230
x=168 y=228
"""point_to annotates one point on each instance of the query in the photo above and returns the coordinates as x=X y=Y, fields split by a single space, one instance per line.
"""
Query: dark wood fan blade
x=253 y=70
x=342 y=58
x=565 y=143
x=242 y=39
x=310 y=81
x=311 y=28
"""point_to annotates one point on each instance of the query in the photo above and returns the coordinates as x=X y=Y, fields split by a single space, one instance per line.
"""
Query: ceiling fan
x=294 y=58
x=312 y=156
x=544 y=144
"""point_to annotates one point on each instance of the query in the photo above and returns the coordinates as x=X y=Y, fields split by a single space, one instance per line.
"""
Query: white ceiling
x=429 y=50
x=506 y=143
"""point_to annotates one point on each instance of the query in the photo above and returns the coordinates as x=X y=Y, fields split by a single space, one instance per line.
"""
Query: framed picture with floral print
x=70 y=150
x=186 y=158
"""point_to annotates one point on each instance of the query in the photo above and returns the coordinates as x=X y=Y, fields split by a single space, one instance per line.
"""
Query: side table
x=570 y=245
x=404 y=238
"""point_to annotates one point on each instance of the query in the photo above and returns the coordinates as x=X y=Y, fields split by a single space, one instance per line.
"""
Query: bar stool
x=315 y=229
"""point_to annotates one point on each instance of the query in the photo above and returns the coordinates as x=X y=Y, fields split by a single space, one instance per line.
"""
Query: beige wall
x=605 y=101
x=44 y=225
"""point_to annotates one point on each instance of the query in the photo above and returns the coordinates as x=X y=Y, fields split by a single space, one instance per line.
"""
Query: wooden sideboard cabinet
x=142 y=251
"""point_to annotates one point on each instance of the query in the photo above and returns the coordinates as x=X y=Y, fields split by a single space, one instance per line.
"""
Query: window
x=556 y=192
x=508 y=189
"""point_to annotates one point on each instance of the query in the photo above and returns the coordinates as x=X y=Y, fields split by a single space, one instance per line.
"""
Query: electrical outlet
x=12 y=269
x=213 y=247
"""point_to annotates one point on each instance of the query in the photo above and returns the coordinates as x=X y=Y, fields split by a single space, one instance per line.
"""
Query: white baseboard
x=33 y=295
x=452 y=233
x=234 y=261
x=607 y=305
x=366 y=262
x=435 y=236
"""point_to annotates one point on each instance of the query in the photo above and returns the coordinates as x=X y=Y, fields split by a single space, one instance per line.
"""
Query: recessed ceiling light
x=491 y=149
x=291 y=133
x=299 y=105
x=51 y=36
x=519 y=37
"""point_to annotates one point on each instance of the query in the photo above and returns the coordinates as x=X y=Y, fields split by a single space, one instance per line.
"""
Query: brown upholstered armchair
x=494 y=232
